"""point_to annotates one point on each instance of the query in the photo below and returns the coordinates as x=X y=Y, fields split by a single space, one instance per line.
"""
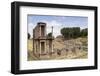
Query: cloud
x=56 y=27
x=57 y=23
x=30 y=29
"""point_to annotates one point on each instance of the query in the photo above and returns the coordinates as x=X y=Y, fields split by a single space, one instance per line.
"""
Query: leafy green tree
x=49 y=34
x=29 y=36
x=84 y=32
x=65 y=32
x=72 y=32
x=76 y=32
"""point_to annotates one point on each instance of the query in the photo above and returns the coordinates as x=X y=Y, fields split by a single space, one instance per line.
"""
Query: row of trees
x=73 y=32
x=70 y=32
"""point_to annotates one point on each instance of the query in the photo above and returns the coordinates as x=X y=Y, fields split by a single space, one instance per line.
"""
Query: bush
x=84 y=32
x=49 y=34
x=29 y=36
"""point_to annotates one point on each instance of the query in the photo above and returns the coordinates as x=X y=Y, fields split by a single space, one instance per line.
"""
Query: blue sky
x=57 y=22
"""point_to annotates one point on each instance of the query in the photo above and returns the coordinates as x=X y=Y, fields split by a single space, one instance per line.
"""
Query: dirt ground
x=80 y=49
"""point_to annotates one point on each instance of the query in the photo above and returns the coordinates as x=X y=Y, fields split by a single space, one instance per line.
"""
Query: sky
x=57 y=22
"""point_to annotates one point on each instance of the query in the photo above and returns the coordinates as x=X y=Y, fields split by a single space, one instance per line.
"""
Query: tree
x=49 y=34
x=70 y=32
x=65 y=32
x=84 y=32
x=29 y=36
x=76 y=32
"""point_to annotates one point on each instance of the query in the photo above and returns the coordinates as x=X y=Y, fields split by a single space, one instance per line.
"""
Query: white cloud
x=56 y=27
x=30 y=29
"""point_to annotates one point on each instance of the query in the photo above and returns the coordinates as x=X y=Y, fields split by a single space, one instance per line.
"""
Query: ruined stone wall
x=37 y=32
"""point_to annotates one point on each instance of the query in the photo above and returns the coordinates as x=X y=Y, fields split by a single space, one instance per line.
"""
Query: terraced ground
x=80 y=51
